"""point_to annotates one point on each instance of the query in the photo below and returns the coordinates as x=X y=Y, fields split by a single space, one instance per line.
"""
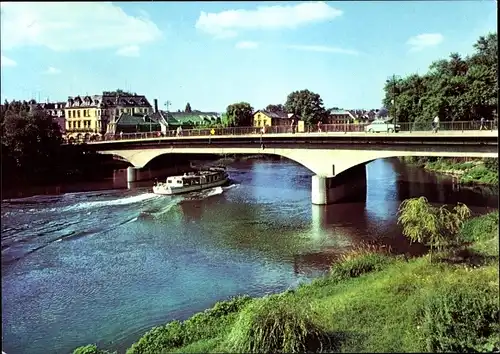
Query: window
x=79 y=124
x=69 y=114
x=78 y=114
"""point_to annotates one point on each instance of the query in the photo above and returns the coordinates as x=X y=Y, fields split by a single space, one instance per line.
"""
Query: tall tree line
x=457 y=89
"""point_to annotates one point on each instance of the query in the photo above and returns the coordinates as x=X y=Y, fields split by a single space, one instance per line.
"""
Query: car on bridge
x=379 y=125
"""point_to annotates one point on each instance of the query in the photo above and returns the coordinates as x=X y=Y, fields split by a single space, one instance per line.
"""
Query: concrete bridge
x=337 y=159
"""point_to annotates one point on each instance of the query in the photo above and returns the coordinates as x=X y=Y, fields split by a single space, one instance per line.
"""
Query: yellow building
x=88 y=116
x=263 y=118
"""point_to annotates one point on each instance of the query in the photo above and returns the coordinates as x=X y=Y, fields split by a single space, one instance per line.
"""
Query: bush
x=90 y=349
x=176 y=334
x=353 y=266
x=159 y=339
x=275 y=324
x=491 y=164
x=481 y=228
x=432 y=226
x=480 y=174
x=462 y=318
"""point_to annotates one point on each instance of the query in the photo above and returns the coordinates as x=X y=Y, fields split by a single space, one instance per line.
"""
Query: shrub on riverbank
x=91 y=349
x=435 y=227
x=370 y=302
x=205 y=325
x=480 y=175
x=275 y=324
x=471 y=171
x=455 y=319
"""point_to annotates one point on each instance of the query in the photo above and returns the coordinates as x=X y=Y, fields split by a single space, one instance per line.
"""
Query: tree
x=307 y=105
x=432 y=226
x=457 y=88
x=188 y=108
x=31 y=142
x=275 y=108
x=239 y=114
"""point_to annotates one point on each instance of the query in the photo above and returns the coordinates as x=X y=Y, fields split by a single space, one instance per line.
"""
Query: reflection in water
x=122 y=261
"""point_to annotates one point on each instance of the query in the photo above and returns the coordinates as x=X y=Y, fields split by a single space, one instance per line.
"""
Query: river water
x=105 y=266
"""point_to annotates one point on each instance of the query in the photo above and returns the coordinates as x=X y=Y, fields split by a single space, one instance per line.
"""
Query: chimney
x=156 y=105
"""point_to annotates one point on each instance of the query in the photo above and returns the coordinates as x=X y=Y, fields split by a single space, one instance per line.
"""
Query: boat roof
x=196 y=174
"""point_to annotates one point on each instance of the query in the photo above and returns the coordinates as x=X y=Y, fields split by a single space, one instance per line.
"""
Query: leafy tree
x=275 y=108
x=432 y=226
x=457 y=88
x=307 y=105
x=31 y=137
x=188 y=108
x=239 y=114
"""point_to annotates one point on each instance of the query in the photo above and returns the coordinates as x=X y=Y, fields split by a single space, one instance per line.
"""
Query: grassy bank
x=369 y=302
x=468 y=171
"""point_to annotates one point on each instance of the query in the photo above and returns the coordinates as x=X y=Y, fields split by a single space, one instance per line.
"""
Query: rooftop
x=107 y=100
x=281 y=115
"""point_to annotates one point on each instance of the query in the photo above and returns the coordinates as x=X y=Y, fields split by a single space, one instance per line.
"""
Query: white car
x=378 y=126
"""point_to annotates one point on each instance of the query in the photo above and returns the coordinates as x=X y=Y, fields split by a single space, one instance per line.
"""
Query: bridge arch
x=338 y=173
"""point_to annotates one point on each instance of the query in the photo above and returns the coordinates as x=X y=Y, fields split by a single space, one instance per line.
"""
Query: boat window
x=169 y=181
x=179 y=181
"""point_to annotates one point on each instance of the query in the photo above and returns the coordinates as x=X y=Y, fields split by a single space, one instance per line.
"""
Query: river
x=105 y=266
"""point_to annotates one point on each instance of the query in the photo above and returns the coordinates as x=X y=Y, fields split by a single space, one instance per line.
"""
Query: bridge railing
x=325 y=128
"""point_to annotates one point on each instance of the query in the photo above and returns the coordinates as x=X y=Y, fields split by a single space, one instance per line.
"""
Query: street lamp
x=393 y=101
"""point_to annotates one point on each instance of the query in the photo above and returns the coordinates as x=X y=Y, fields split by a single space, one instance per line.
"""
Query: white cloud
x=65 y=26
x=424 y=40
x=5 y=62
x=247 y=45
x=322 y=48
x=52 y=71
x=226 y=24
x=128 y=51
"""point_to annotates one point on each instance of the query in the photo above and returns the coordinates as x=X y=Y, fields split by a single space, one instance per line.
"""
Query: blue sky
x=212 y=54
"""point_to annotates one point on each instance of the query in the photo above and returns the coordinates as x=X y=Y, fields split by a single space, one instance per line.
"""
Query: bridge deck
x=333 y=135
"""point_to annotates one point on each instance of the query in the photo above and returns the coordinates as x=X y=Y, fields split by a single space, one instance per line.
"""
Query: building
x=134 y=123
x=263 y=118
x=192 y=120
x=339 y=116
x=88 y=116
x=53 y=109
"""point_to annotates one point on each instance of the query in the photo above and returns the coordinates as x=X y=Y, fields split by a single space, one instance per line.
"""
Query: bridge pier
x=132 y=174
x=349 y=185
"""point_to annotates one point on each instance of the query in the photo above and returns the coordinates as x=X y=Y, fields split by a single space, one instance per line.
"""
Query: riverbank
x=467 y=171
x=369 y=302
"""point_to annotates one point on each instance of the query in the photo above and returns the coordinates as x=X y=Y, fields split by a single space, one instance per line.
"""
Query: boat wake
x=113 y=202
x=157 y=211
x=204 y=194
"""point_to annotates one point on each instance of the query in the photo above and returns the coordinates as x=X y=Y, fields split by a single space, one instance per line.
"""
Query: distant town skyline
x=215 y=54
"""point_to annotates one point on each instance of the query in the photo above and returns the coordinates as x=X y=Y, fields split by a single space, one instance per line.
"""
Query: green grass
x=369 y=302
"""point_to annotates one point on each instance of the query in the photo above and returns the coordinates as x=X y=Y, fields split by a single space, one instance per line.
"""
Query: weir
x=350 y=184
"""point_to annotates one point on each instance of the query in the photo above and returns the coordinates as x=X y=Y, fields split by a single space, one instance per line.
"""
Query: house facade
x=339 y=116
x=89 y=115
x=133 y=123
x=263 y=118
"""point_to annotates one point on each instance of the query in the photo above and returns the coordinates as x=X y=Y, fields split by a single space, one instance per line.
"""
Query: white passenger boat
x=192 y=181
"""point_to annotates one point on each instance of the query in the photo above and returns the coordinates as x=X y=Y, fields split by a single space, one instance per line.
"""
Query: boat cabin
x=193 y=179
